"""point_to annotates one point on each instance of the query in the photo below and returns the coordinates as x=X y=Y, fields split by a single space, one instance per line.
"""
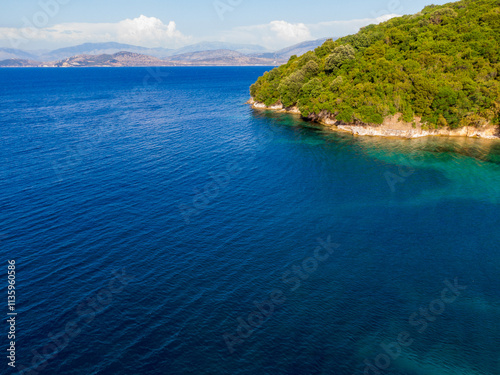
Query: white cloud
x=144 y=31
x=272 y=35
x=148 y=30
x=292 y=32
x=279 y=34
x=152 y=32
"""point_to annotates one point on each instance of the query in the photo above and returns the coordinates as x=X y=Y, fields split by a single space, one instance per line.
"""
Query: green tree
x=339 y=55
x=441 y=64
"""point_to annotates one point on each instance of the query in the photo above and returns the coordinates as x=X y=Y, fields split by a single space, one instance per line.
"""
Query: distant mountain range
x=117 y=59
x=220 y=57
x=102 y=49
x=11 y=53
x=245 y=49
x=297 y=49
x=117 y=54
x=17 y=63
x=112 y=48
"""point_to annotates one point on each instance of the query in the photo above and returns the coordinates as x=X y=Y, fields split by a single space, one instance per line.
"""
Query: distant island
x=123 y=55
x=432 y=73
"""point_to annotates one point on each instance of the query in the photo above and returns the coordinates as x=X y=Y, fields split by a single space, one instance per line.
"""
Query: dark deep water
x=151 y=213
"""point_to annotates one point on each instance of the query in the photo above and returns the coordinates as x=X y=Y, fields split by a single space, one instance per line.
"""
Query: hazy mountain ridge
x=221 y=57
x=113 y=47
x=296 y=49
x=102 y=49
x=116 y=60
x=112 y=54
x=130 y=59
x=214 y=46
x=12 y=53
x=12 y=63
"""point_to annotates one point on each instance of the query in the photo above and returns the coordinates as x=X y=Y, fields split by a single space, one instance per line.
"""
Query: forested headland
x=440 y=65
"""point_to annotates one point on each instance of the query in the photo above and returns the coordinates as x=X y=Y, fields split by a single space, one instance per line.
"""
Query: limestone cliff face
x=391 y=127
x=277 y=107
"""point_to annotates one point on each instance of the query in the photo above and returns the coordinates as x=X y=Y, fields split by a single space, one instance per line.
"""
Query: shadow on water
x=487 y=150
x=446 y=167
x=287 y=123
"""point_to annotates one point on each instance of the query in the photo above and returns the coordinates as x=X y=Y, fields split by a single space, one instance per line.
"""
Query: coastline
x=139 y=66
x=390 y=128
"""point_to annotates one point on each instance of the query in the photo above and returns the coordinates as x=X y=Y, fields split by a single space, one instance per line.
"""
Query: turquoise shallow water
x=248 y=242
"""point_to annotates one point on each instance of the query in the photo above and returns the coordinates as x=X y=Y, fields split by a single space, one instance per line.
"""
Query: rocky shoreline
x=391 y=127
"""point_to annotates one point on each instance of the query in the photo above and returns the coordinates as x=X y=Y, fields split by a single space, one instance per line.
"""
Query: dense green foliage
x=441 y=64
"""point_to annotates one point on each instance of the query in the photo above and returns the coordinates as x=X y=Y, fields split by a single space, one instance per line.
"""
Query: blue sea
x=161 y=226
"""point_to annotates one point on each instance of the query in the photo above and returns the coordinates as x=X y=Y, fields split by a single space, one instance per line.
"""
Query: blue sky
x=41 y=24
